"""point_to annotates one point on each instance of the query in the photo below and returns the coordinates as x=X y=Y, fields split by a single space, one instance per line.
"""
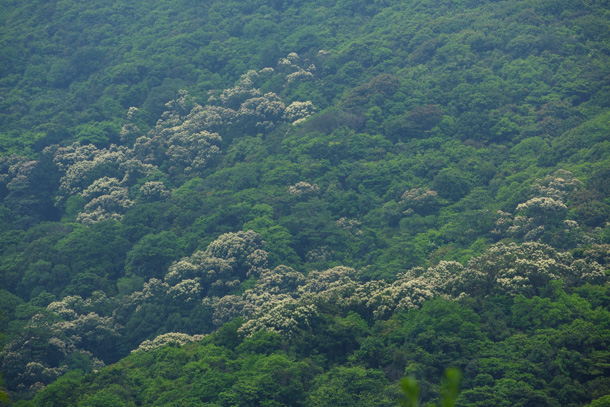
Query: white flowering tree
x=67 y=335
x=420 y=200
x=304 y=189
x=205 y=277
x=297 y=112
x=524 y=269
x=285 y=317
x=153 y=191
x=296 y=68
x=504 y=269
x=165 y=339
x=101 y=177
x=184 y=141
x=544 y=211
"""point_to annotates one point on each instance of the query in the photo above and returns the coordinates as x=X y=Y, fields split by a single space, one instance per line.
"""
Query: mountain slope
x=341 y=175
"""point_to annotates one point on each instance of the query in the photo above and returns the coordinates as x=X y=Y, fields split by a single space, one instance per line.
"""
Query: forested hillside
x=300 y=203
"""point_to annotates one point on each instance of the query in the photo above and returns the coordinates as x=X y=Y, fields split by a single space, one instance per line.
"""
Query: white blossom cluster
x=189 y=289
x=264 y=110
x=17 y=178
x=153 y=191
x=335 y=280
x=73 y=305
x=103 y=176
x=418 y=195
x=215 y=271
x=107 y=200
x=81 y=325
x=69 y=330
x=404 y=295
x=245 y=103
x=153 y=291
x=541 y=206
x=350 y=225
x=304 y=189
x=16 y=172
x=284 y=300
x=185 y=140
x=192 y=151
x=188 y=132
x=236 y=247
x=557 y=186
x=165 y=339
x=243 y=90
x=507 y=269
x=97 y=215
x=504 y=221
x=298 y=112
x=416 y=199
x=66 y=157
x=339 y=286
x=228 y=307
x=522 y=269
x=291 y=60
x=182 y=137
x=280 y=280
x=547 y=202
x=79 y=164
x=284 y=316
x=300 y=76
x=297 y=69
x=599 y=253
x=266 y=72
x=87 y=171
x=279 y=284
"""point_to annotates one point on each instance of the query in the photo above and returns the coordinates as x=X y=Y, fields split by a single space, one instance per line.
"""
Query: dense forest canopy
x=300 y=203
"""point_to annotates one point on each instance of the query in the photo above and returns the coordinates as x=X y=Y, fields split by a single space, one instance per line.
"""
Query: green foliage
x=152 y=254
x=349 y=386
x=527 y=361
x=601 y=402
x=449 y=391
x=394 y=138
x=410 y=392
